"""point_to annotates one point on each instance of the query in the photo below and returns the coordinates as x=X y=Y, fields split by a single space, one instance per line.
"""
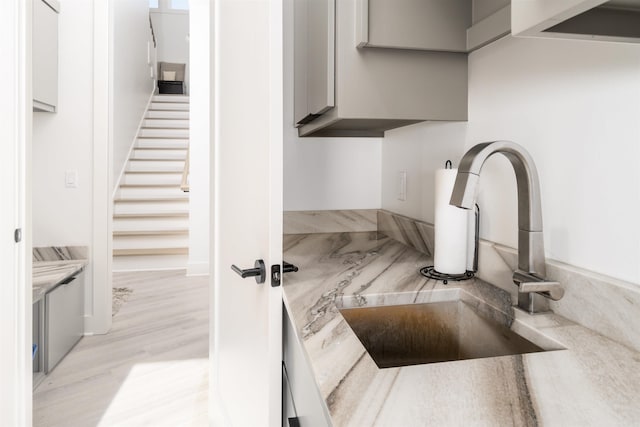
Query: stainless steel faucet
x=530 y=274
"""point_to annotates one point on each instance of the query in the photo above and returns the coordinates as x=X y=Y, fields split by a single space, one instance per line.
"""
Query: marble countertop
x=594 y=382
x=47 y=274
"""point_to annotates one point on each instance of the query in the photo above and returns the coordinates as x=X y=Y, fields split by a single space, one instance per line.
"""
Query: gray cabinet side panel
x=45 y=54
x=419 y=24
x=310 y=408
x=58 y=338
x=301 y=109
x=320 y=55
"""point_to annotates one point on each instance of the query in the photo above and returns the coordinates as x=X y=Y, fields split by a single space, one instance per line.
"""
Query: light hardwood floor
x=150 y=370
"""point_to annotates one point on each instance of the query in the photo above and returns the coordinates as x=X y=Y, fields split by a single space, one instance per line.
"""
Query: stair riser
x=129 y=242
x=156 y=192
x=166 y=106
x=151 y=178
x=177 y=144
x=143 y=234
x=168 y=115
x=146 y=166
x=150 y=224
x=163 y=133
x=171 y=98
x=149 y=263
x=150 y=207
x=166 y=123
x=159 y=154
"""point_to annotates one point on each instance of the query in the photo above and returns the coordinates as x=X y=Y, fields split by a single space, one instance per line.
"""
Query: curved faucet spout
x=529 y=207
x=530 y=238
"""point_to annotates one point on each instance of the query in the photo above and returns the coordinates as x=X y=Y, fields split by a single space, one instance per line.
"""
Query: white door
x=247 y=212
x=15 y=266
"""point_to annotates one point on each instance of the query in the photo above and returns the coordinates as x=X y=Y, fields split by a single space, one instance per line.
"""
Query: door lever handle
x=259 y=271
x=287 y=267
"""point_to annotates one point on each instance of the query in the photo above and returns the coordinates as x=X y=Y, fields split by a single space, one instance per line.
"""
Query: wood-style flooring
x=151 y=369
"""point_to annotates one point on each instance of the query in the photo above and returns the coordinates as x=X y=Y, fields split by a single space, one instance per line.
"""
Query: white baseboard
x=197 y=269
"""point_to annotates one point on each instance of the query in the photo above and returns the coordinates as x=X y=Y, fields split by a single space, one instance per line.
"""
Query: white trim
x=15 y=258
x=98 y=300
x=276 y=172
x=133 y=143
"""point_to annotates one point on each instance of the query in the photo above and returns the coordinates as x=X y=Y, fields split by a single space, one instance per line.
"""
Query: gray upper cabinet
x=490 y=20
x=414 y=24
x=614 y=20
x=367 y=91
x=437 y=25
x=314 y=53
x=45 y=55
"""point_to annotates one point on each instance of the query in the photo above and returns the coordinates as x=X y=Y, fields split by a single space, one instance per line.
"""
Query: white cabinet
x=613 y=20
x=64 y=324
x=303 y=403
x=45 y=55
x=343 y=90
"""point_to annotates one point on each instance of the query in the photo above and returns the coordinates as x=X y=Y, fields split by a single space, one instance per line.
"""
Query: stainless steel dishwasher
x=64 y=325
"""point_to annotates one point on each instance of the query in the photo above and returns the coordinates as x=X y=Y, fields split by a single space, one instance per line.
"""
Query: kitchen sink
x=412 y=334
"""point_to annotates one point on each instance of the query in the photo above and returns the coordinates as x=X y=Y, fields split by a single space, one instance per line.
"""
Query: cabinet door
x=310 y=408
x=314 y=58
x=64 y=320
x=45 y=57
x=414 y=24
x=289 y=415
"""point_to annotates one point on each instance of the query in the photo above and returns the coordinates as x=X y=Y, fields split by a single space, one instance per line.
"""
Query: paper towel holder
x=431 y=273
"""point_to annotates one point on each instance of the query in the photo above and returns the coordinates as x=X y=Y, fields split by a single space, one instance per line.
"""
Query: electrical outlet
x=402 y=186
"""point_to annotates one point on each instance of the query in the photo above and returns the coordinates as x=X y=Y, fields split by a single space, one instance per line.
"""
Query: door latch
x=276 y=277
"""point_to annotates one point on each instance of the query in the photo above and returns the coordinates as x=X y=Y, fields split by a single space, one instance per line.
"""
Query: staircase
x=151 y=212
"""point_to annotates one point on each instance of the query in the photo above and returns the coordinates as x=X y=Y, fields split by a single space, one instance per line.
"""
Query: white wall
x=132 y=83
x=574 y=105
x=325 y=173
x=63 y=141
x=200 y=138
x=172 y=34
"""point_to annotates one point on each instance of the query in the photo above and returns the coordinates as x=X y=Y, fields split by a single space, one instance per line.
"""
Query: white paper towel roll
x=451 y=224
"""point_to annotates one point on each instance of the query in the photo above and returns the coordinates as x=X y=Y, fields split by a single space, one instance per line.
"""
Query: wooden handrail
x=184 y=186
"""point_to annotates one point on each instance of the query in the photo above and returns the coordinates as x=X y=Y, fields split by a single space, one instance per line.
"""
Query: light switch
x=402 y=186
x=71 y=179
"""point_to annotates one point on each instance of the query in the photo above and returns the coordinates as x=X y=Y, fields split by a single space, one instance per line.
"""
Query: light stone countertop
x=47 y=274
x=594 y=382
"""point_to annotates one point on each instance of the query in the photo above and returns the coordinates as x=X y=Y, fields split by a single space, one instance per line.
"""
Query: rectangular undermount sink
x=413 y=334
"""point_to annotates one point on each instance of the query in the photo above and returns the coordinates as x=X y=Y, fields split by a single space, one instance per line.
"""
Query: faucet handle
x=528 y=283
x=550 y=290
